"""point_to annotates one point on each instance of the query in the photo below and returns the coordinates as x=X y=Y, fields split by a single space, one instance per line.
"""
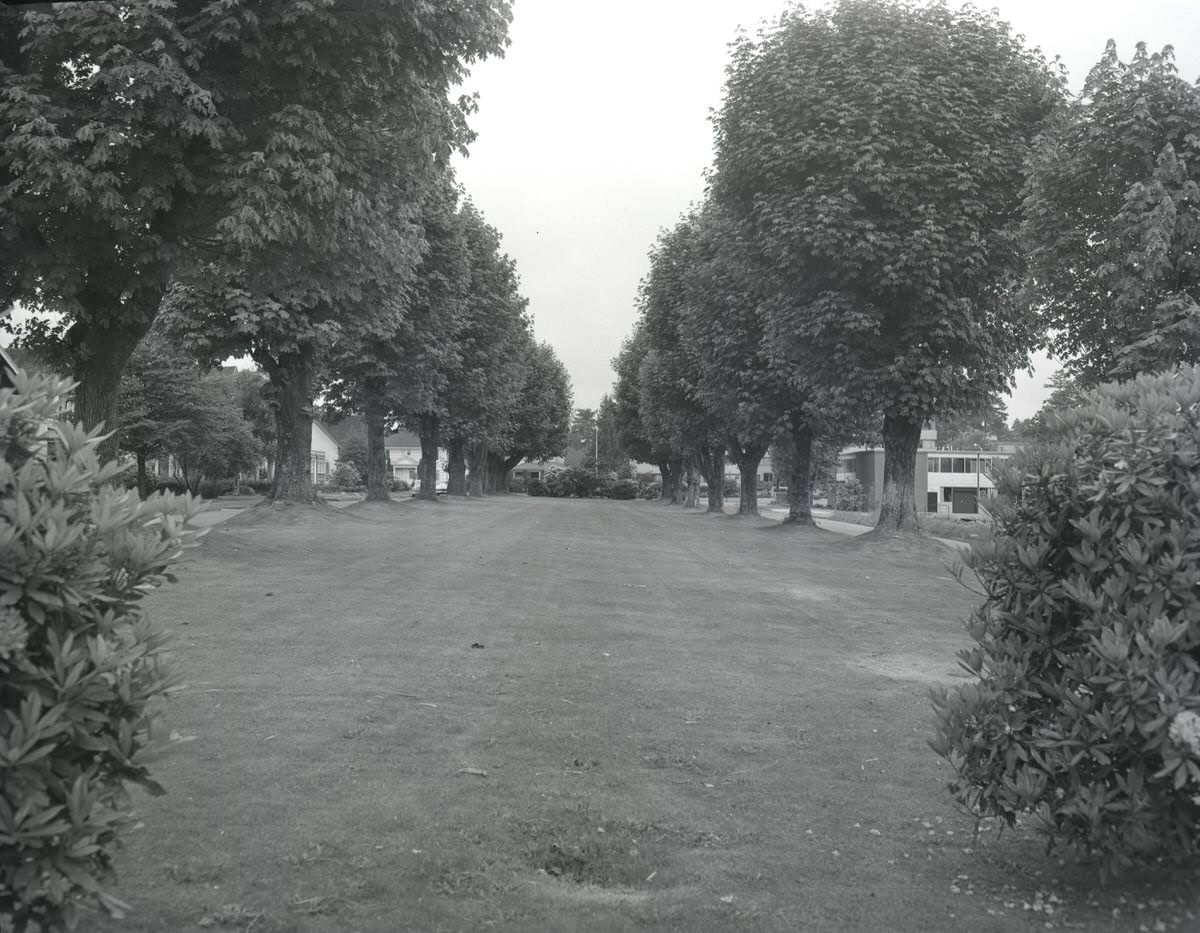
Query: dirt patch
x=914 y=667
x=580 y=847
x=283 y=513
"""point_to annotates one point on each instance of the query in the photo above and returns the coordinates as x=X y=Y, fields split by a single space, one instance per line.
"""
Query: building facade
x=404 y=457
x=951 y=483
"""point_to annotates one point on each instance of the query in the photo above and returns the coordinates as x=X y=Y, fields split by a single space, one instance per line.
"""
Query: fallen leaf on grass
x=477 y=772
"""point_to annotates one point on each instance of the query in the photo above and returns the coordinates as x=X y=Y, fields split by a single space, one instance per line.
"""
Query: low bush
x=535 y=487
x=212 y=488
x=847 y=496
x=622 y=489
x=260 y=486
x=80 y=663
x=1085 y=707
x=172 y=485
x=346 y=476
x=650 y=490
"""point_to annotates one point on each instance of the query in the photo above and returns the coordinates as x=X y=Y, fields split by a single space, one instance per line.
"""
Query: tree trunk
x=143 y=480
x=712 y=466
x=691 y=497
x=291 y=376
x=748 y=459
x=495 y=473
x=477 y=463
x=378 y=478
x=427 y=468
x=897 y=502
x=507 y=465
x=457 y=467
x=100 y=356
x=800 y=476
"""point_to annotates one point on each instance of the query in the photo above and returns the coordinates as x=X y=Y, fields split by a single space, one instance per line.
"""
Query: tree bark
x=712 y=466
x=507 y=465
x=670 y=479
x=897 y=502
x=291 y=377
x=800 y=476
x=457 y=467
x=378 y=478
x=100 y=356
x=747 y=460
x=427 y=468
x=692 y=483
x=143 y=480
x=497 y=471
x=477 y=463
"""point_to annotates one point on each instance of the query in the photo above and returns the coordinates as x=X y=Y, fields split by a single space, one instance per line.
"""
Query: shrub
x=1084 y=710
x=174 y=486
x=79 y=661
x=848 y=496
x=346 y=475
x=260 y=486
x=651 y=490
x=623 y=489
x=731 y=489
x=399 y=485
x=535 y=487
x=212 y=488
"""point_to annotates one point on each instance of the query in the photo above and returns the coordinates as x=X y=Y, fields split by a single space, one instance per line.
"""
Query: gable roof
x=345 y=428
x=319 y=426
x=402 y=439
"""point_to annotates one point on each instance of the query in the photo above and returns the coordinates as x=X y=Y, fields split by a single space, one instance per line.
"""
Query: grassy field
x=558 y=715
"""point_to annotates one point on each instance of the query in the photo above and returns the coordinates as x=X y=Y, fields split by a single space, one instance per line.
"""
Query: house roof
x=319 y=426
x=402 y=439
x=345 y=428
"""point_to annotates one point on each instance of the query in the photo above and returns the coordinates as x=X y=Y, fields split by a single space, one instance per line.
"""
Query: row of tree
x=905 y=201
x=266 y=179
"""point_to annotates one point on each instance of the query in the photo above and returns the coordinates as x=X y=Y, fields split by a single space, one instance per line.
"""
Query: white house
x=404 y=456
x=324 y=454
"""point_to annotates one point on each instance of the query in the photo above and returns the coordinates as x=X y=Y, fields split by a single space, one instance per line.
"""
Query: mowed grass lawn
x=526 y=714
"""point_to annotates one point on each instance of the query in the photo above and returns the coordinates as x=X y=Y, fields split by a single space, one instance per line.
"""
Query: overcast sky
x=594 y=135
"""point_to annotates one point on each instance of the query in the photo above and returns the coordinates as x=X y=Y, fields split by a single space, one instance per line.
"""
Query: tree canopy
x=1111 y=220
x=875 y=153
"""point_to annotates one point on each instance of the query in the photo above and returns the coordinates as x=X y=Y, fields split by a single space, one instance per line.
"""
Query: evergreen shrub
x=622 y=489
x=214 y=488
x=346 y=476
x=1085 y=703
x=79 y=661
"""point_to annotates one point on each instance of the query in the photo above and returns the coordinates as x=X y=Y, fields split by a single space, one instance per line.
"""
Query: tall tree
x=874 y=152
x=171 y=407
x=672 y=397
x=1112 y=224
x=493 y=341
x=541 y=415
x=108 y=115
x=347 y=123
x=394 y=368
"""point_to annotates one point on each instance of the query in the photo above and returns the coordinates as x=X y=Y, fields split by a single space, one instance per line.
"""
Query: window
x=961 y=465
x=768 y=477
x=947 y=494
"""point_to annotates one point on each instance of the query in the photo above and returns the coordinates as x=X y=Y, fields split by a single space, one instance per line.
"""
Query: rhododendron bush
x=80 y=663
x=1084 y=708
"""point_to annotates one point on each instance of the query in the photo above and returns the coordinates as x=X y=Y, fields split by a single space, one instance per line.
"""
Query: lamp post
x=596 y=434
